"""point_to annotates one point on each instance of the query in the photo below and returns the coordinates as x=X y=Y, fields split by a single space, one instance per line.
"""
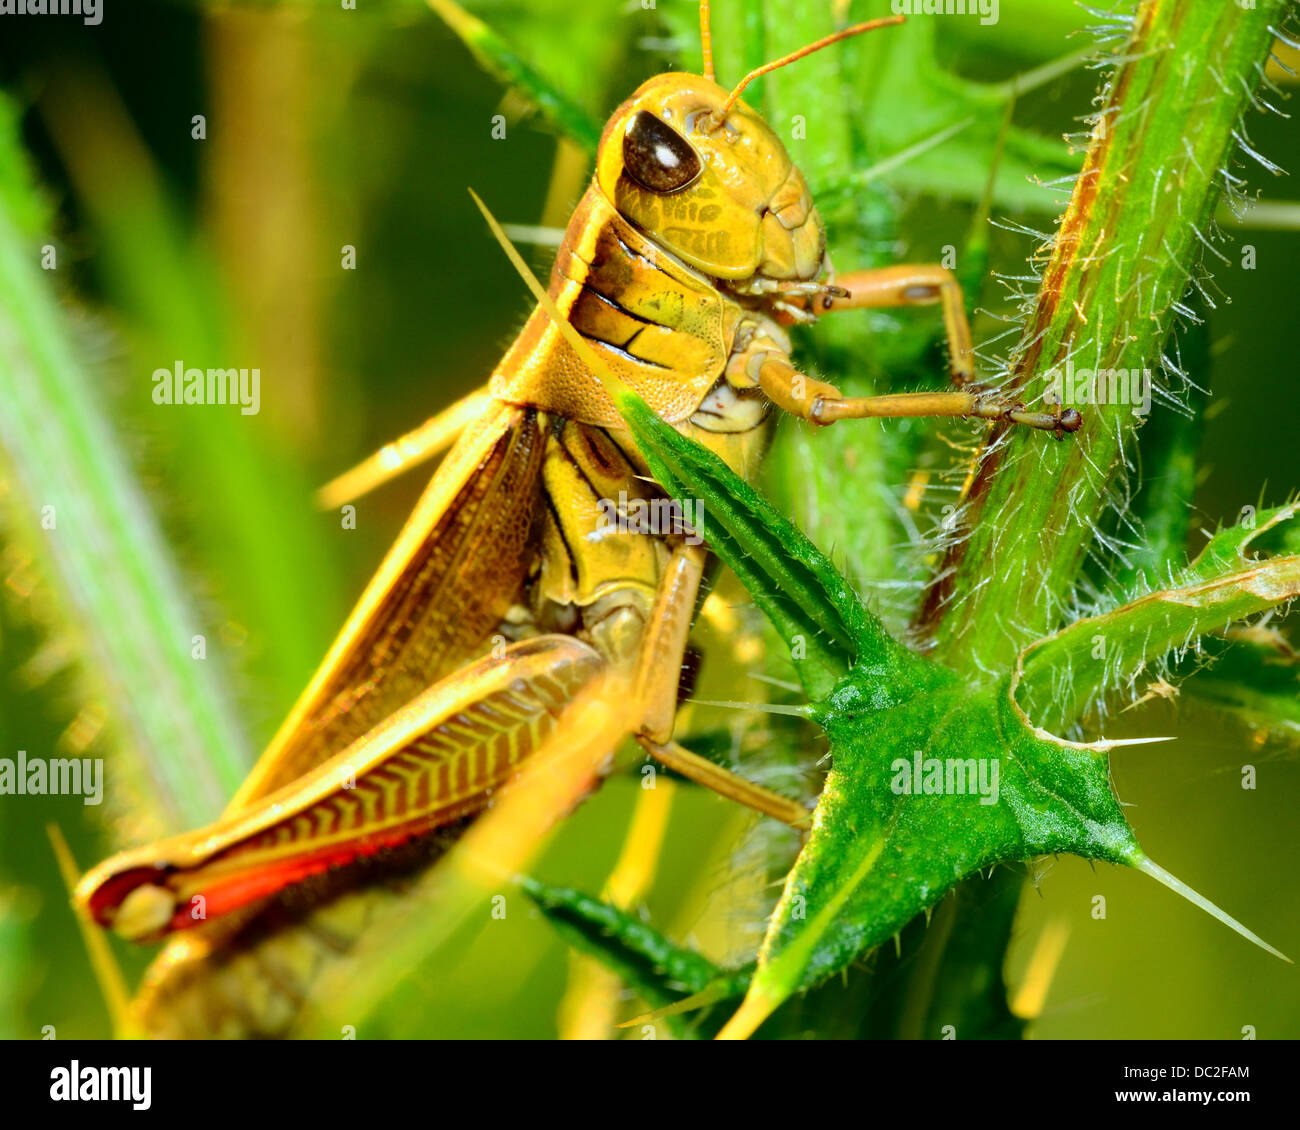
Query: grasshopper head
x=712 y=184
x=704 y=176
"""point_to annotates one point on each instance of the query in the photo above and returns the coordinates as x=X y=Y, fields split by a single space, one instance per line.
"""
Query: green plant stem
x=1109 y=297
x=76 y=507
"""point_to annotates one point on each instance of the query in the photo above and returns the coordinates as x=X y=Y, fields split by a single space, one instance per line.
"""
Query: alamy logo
x=951 y=776
x=59 y=776
x=179 y=385
x=102 y=1084
x=90 y=11
x=658 y=516
x=987 y=10
x=1073 y=387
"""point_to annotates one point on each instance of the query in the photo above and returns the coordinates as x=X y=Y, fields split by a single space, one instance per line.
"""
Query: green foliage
x=1061 y=678
x=497 y=56
x=934 y=779
x=118 y=601
x=1108 y=298
x=660 y=972
x=1256 y=680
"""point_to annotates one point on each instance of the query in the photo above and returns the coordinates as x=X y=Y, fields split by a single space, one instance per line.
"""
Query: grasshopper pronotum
x=693 y=249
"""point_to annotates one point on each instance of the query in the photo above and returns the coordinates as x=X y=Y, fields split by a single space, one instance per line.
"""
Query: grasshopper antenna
x=720 y=116
x=706 y=40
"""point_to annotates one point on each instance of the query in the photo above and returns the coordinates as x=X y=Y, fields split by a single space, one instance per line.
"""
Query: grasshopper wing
x=447 y=581
x=343 y=845
x=427 y=765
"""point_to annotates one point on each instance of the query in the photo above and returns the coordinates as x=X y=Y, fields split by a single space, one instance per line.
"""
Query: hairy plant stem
x=1132 y=237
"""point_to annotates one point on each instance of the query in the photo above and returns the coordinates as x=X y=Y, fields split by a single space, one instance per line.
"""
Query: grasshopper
x=694 y=249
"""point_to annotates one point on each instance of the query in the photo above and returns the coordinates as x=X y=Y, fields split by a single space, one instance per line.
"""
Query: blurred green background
x=328 y=127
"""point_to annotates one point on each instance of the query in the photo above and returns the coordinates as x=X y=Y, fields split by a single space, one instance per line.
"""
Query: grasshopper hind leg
x=438 y=759
x=382 y=812
x=251 y=975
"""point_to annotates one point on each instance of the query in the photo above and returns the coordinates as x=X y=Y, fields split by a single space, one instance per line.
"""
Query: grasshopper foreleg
x=906 y=284
x=911 y=284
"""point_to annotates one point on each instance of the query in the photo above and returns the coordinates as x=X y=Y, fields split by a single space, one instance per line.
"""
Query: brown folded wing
x=444 y=586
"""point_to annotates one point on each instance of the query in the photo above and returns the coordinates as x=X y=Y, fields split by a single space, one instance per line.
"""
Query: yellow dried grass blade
x=107 y=972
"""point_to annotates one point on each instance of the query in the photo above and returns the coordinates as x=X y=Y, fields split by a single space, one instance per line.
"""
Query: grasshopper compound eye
x=656 y=156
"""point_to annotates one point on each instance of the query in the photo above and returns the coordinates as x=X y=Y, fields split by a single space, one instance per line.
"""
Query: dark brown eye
x=656 y=156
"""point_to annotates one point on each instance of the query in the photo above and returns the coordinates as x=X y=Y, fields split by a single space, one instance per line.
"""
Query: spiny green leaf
x=1276 y=530
x=881 y=851
x=661 y=967
x=923 y=795
x=816 y=611
x=927 y=791
x=1061 y=676
x=660 y=971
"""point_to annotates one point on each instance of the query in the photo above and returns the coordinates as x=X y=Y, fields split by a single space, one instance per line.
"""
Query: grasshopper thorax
x=710 y=182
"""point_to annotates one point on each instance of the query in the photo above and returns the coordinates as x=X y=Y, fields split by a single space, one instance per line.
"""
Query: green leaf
x=1061 y=677
x=880 y=852
x=662 y=973
x=815 y=610
x=499 y=59
x=75 y=506
x=1256 y=679
x=662 y=969
x=227 y=479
